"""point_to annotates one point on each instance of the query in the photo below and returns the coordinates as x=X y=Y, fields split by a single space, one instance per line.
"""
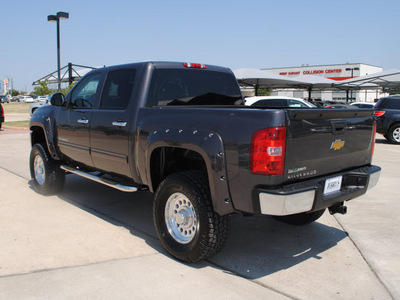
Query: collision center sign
x=313 y=72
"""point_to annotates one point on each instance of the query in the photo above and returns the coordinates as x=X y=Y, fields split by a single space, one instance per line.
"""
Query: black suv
x=387 y=112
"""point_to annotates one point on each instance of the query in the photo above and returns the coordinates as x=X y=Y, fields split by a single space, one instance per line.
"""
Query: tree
x=42 y=89
x=264 y=92
x=394 y=91
x=14 y=93
x=67 y=89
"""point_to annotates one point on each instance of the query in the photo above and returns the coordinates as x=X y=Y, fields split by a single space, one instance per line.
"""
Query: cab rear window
x=192 y=87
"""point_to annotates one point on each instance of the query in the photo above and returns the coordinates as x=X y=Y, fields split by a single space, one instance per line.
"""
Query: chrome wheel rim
x=40 y=173
x=181 y=218
x=396 y=134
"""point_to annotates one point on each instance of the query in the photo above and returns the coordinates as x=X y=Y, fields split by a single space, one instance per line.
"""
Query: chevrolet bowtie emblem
x=337 y=145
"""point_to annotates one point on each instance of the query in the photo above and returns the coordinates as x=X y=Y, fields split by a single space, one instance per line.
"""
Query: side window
x=118 y=89
x=270 y=103
x=295 y=103
x=393 y=103
x=84 y=95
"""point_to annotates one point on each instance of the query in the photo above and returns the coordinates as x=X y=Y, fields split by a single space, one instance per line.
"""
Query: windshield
x=193 y=87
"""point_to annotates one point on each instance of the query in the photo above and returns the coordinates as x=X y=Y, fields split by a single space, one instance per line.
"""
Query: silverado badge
x=337 y=145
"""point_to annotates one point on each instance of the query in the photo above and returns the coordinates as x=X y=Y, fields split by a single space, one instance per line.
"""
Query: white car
x=34 y=106
x=40 y=98
x=26 y=99
x=277 y=101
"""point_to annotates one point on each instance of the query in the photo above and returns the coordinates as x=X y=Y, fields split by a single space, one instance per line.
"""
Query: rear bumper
x=308 y=196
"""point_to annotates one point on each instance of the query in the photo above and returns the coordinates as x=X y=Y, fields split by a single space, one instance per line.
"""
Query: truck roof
x=171 y=65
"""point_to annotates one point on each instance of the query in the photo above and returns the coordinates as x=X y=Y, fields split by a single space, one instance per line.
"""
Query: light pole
x=352 y=69
x=56 y=18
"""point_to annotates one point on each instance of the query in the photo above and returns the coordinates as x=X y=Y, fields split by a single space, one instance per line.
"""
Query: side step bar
x=110 y=183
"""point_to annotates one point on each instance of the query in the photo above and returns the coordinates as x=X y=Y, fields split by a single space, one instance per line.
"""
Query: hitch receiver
x=338 y=208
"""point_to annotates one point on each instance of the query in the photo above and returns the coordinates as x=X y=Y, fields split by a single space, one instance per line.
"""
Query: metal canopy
x=387 y=80
x=69 y=74
x=262 y=79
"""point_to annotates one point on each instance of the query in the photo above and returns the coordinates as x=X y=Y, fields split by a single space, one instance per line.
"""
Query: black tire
x=394 y=134
x=302 y=218
x=47 y=177
x=193 y=231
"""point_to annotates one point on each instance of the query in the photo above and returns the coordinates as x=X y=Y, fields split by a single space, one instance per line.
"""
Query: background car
x=277 y=101
x=40 y=98
x=341 y=106
x=4 y=99
x=26 y=99
x=363 y=104
x=387 y=113
x=34 y=106
x=1 y=115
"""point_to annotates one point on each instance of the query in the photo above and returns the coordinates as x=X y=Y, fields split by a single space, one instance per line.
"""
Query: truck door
x=74 y=121
x=110 y=128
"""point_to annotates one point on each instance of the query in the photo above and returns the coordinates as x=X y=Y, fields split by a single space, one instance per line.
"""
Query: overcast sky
x=235 y=34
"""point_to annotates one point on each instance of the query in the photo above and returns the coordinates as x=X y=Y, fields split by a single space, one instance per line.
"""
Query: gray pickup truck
x=181 y=131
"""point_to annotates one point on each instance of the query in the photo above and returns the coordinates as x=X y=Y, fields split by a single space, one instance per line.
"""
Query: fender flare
x=47 y=125
x=210 y=147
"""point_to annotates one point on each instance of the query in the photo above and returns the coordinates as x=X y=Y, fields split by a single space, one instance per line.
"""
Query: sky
x=230 y=33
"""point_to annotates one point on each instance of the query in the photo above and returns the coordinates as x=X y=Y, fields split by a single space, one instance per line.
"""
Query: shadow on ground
x=258 y=246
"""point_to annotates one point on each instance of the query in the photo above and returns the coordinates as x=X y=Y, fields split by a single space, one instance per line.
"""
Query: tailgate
x=325 y=141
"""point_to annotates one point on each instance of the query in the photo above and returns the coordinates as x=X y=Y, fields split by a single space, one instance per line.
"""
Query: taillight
x=379 y=113
x=267 y=153
x=194 y=66
x=373 y=140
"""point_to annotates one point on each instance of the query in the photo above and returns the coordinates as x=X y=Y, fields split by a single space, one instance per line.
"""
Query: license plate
x=333 y=185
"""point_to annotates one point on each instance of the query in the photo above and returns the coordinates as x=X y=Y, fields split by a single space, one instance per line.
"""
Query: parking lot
x=91 y=241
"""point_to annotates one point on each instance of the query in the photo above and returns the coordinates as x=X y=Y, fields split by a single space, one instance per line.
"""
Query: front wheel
x=46 y=174
x=301 y=218
x=185 y=221
x=394 y=134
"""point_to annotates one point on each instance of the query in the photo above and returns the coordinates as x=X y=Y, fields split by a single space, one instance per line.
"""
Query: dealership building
x=335 y=72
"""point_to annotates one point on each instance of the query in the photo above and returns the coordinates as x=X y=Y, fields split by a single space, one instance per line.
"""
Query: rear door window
x=118 y=89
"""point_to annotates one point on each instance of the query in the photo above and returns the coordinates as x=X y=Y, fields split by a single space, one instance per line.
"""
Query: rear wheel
x=185 y=221
x=46 y=174
x=394 y=134
x=302 y=218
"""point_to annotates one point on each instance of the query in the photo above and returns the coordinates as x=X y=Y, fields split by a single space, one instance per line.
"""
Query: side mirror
x=57 y=99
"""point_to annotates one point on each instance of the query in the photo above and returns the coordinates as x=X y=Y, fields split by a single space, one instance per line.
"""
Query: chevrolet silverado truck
x=182 y=131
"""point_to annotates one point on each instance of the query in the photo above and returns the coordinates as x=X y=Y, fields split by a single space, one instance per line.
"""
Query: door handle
x=83 y=121
x=119 y=123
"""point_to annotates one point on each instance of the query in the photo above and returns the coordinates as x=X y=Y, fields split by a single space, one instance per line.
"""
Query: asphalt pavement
x=94 y=242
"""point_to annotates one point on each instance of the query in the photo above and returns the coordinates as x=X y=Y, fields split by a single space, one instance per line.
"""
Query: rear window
x=390 y=103
x=193 y=87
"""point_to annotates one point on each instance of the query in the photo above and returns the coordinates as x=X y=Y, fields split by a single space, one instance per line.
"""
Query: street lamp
x=56 y=18
x=351 y=69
